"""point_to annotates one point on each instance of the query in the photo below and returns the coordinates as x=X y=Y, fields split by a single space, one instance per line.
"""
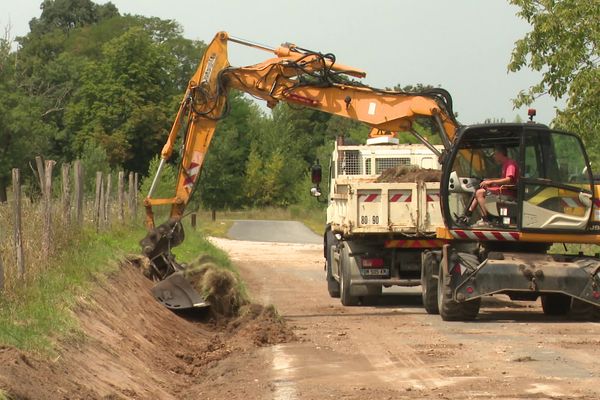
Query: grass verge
x=38 y=312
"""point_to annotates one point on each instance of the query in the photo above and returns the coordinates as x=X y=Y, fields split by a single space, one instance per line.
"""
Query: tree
x=23 y=135
x=70 y=14
x=565 y=46
x=221 y=185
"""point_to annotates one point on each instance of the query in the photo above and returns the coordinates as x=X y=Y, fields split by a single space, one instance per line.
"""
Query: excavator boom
x=294 y=75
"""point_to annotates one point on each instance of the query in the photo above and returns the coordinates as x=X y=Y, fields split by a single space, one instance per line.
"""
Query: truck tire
x=556 y=304
x=429 y=282
x=584 y=311
x=449 y=309
x=345 y=273
x=333 y=286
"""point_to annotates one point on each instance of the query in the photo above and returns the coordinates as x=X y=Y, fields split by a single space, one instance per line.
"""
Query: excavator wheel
x=449 y=309
x=584 y=311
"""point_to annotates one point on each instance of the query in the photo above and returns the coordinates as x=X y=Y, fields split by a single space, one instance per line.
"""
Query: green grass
x=572 y=248
x=4 y=395
x=39 y=311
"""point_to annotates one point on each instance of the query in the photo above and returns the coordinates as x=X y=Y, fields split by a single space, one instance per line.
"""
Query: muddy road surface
x=393 y=349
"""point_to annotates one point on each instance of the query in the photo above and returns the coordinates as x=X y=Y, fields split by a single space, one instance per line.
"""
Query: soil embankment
x=133 y=348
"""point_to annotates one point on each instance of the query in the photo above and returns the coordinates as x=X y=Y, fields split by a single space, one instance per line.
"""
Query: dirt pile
x=409 y=173
x=131 y=347
x=261 y=325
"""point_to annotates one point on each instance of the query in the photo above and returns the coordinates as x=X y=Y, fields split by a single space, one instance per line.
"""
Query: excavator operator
x=504 y=186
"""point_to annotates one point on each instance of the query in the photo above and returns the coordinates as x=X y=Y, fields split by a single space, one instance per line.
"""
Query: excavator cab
x=553 y=191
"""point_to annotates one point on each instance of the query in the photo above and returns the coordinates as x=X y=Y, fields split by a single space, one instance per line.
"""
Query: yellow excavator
x=554 y=199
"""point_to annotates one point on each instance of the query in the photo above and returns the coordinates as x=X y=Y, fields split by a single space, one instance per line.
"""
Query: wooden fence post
x=130 y=196
x=107 y=204
x=78 y=172
x=97 y=200
x=47 y=234
x=16 y=182
x=135 y=194
x=1 y=275
x=39 y=162
x=66 y=194
x=102 y=205
x=121 y=198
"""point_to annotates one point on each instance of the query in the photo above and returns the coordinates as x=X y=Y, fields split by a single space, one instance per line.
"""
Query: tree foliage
x=87 y=82
x=564 y=45
x=22 y=133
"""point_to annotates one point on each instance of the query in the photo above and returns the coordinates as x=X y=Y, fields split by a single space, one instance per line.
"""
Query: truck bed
x=360 y=206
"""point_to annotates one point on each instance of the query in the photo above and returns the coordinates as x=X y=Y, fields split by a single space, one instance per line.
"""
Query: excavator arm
x=294 y=75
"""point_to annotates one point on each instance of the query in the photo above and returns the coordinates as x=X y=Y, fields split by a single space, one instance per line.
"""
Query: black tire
x=584 y=311
x=556 y=304
x=345 y=273
x=429 y=282
x=333 y=286
x=449 y=309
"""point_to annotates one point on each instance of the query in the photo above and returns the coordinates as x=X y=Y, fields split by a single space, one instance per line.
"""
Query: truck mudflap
x=575 y=276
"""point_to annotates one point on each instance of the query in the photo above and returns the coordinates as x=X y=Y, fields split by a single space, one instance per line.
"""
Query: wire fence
x=32 y=231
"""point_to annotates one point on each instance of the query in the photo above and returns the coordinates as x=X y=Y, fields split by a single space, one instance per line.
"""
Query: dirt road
x=394 y=350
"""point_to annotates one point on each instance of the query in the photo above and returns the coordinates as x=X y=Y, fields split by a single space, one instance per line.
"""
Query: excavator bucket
x=177 y=293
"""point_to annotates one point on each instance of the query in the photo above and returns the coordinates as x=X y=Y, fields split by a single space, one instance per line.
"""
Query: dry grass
x=63 y=235
x=219 y=286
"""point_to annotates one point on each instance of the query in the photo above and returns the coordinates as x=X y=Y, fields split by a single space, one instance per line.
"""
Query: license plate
x=376 y=271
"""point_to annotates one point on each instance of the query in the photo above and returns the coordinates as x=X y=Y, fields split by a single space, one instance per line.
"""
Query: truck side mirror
x=315 y=173
x=315 y=177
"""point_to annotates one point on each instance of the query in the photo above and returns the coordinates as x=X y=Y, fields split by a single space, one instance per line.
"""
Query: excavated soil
x=133 y=348
x=404 y=173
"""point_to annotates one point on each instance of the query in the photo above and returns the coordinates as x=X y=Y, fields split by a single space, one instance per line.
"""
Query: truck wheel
x=556 y=304
x=333 y=286
x=429 y=282
x=449 y=309
x=584 y=311
x=345 y=274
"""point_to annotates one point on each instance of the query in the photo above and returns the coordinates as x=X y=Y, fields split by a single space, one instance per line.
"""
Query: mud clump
x=262 y=325
x=409 y=173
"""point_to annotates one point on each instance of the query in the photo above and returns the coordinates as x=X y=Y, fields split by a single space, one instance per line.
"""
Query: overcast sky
x=463 y=46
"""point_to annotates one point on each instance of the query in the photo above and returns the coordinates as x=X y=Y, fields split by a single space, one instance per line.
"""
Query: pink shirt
x=510 y=169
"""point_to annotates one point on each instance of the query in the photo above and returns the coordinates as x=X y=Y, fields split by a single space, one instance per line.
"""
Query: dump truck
x=383 y=212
